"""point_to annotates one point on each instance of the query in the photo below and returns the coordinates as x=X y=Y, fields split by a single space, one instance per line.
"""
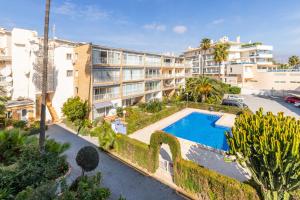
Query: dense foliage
x=152 y=106
x=84 y=188
x=30 y=168
x=11 y=143
x=202 y=182
x=87 y=158
x=269 y=146
x=105 y=135
x=294 y=60
x=234 y=90
x=76 y=111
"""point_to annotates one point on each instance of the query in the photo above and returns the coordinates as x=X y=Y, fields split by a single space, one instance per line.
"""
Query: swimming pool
x=200 y=128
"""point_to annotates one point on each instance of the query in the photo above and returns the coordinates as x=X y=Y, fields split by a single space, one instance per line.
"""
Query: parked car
x=292 y=99
x=297 y=104
x=230 y=102
x=236 y=98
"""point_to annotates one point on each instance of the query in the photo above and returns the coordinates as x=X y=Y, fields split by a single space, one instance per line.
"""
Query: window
x=69 y=73
x=69 y=56
x=230 y=69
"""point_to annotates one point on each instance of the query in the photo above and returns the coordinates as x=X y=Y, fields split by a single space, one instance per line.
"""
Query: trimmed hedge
x=156 y=140
x=134 y=150
x=195 y=179
x=207 y=184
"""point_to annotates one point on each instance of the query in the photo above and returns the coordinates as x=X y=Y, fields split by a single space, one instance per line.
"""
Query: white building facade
x=20 y=70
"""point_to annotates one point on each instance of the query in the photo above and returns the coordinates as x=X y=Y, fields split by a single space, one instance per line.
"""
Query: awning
x=103 y=104
x=295 y=95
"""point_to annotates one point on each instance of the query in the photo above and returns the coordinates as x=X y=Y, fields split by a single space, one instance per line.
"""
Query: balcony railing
x=168 y=75
x=107 y=79
x=153 y=76
x=168 y=85
x=152 y=88
x=104 y=60
x=105 y=96
x=135 y=92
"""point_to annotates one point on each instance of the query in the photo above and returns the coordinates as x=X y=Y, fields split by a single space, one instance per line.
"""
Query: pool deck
x=192 y=150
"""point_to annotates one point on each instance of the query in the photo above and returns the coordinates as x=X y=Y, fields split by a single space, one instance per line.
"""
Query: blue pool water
x=200 y=128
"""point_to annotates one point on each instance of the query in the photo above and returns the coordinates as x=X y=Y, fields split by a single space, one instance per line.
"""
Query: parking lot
x=273 y=104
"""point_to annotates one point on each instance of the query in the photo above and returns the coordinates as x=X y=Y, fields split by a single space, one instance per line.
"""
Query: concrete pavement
x=273 y=104
x=118 y=177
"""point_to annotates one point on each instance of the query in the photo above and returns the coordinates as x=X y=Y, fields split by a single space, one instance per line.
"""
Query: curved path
x=118 y=177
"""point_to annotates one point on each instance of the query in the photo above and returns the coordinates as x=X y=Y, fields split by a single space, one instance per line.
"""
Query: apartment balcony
x=179 y=65
x=179 y=75
x=152 y=89
x=106 y=61
x=168 y=64
x=133 y=79
x=133 y=93
x=167 y=76
x=108 y=96
x=107 y=80
x=158 y=76
x=168 y=86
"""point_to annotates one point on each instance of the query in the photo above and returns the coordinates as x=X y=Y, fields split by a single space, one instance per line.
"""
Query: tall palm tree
x=221 y=54
x=205 y=45
x=44 y=79
x=203 y=88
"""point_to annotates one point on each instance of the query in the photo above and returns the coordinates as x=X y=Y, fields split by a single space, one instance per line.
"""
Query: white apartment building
x=242 y=58
x=20 y=72
x=110 y=77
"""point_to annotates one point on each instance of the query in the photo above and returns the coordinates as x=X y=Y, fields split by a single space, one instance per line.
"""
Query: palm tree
x=205 y=45
x=294 y=60
x=44 y=79
x=203 y=88
x=221 y=54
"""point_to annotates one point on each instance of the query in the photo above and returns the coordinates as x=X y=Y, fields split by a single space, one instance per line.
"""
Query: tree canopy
x=294 y=60
x=76 y=111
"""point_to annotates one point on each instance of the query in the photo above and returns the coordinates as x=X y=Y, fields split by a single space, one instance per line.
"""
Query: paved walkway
x=192 y=150
x=273 y=104
x=118 y=177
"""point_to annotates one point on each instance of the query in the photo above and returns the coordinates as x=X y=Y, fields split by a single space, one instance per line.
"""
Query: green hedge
x=195 y=179
x=133 y=150
x=208 y=184
x=156 y=140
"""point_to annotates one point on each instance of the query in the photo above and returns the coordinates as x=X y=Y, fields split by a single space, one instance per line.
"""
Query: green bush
x=202 y=182
x=19 y=124
x=207 y=184
x=156 y=140
x=31 y=168
x=105 y=135
x=83 y=188
x=134 y=150
x=87 y=158
x=234 y=90
x=119 y=111
x=11 y=144
x=154 y=106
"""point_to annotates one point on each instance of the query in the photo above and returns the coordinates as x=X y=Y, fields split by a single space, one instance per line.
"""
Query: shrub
x=19 y=124
x=45 y=191
x=31 y=169
x=234 y=90
x=87 y=158
x=207 y=184
x=157 y=139
x=105 y=135
x=134 y=150
x=269 y=146
x=11 y=143
x=76 y=111
x=87 y=188
x=119 y=111
x=154 y=106
x=204 y=183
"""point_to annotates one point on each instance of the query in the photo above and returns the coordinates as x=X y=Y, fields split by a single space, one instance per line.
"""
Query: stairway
x=51 y=109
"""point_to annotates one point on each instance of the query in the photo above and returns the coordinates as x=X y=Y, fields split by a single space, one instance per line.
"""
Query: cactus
x=269 y=146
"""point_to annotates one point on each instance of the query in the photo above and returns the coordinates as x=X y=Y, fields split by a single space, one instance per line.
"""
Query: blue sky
x=162 y=25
